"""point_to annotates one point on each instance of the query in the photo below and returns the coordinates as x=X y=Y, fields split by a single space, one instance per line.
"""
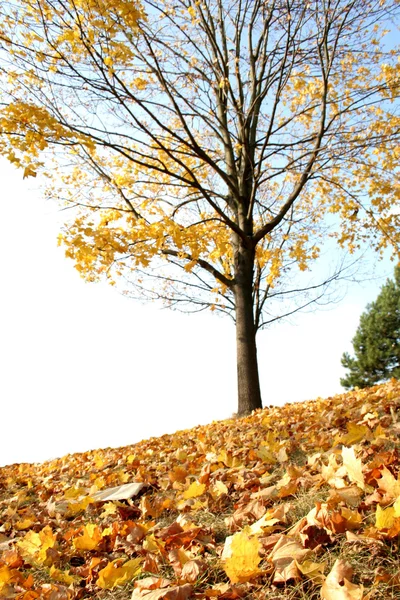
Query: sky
x=82 y=367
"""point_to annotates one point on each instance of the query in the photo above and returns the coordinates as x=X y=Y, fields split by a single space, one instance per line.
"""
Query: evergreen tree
x=377 y=340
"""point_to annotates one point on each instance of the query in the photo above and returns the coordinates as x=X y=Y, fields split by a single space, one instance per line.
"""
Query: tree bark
x=249 y=393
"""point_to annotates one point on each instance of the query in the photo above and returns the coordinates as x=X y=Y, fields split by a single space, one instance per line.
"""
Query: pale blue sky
x=84 y=367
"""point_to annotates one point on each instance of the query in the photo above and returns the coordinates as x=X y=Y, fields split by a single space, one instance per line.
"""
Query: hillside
x=297 y=502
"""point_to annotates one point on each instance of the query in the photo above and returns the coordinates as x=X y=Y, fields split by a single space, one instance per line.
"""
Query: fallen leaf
x=192 y=570
x=353 y=467
x=384 y=518
x=337 y=585
x=34 y=545
x=194 y=490
x=284 y=556
x=388 y=483
x=90 y=539
x=312 y=570
x=113 y=575
x=241 y=557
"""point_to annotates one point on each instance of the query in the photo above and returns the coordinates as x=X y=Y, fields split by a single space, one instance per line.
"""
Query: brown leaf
x=192 y=570
x=337 y=585
x=284 y=556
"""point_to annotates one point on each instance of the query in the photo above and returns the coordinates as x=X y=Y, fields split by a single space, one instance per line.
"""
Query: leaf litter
x=299 y=501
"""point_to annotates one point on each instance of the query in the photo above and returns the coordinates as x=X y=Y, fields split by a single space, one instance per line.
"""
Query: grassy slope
x=279 y=481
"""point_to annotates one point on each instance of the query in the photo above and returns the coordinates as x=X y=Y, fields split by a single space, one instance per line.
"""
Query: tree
x=209 y=147
x=377 y=340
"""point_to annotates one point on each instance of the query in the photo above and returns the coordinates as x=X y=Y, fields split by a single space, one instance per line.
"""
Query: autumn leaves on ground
x=300 y=502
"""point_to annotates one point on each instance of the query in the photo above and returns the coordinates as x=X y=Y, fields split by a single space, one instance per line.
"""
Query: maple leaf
x=62 y=576
x=113 y=575
x=241 y=557
x=192 y=570
x=312 y=570
x=384 y=518
x=353 y=466
x=90 y=539
x=194 y=490
x=8 y=576
x=337 y=585
x=356 y=433
x=284 y=556
x=34 y=545
x=388 y=483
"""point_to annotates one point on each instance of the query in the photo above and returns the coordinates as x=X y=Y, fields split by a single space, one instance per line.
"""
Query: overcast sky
x=82 y=367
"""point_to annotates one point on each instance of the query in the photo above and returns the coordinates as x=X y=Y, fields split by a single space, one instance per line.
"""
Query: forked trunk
x=249 y=393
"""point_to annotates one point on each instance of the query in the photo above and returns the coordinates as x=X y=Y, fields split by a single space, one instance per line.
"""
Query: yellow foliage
x=194 y=490
x=241 y=557
x=384 y=517
x=34 y=546
x=353 y=466
x=156 y=185
x=113 y=575
x=90 y=538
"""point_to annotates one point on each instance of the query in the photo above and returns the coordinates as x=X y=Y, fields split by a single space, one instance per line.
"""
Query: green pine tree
x=377 y=340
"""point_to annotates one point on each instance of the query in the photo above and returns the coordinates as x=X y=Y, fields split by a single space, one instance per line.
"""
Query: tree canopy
x=208 y=148
x=377 y=340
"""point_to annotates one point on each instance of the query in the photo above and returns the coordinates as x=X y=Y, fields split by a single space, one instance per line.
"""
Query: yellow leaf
x=111 y=575
x=34 y=545
x=25 y=523
x=229 y=460
x=218 y=490
x=140 y=83
x=153 y=544
x=353 y=466
x=62 y=576
x=195 y=489
x=29 y=172
x=241 y=557
x=5 y=576
x=109 y=509
x=264 y=525
x=266 y=455
x=312 y=570
x=355 y=434
x=384 y=518
x=72 y=493
x=90 y=538
x=74 y=508
x=353 y=518
x=181 y=454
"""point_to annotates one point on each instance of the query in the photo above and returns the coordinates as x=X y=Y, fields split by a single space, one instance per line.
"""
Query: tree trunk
x=249 y=393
